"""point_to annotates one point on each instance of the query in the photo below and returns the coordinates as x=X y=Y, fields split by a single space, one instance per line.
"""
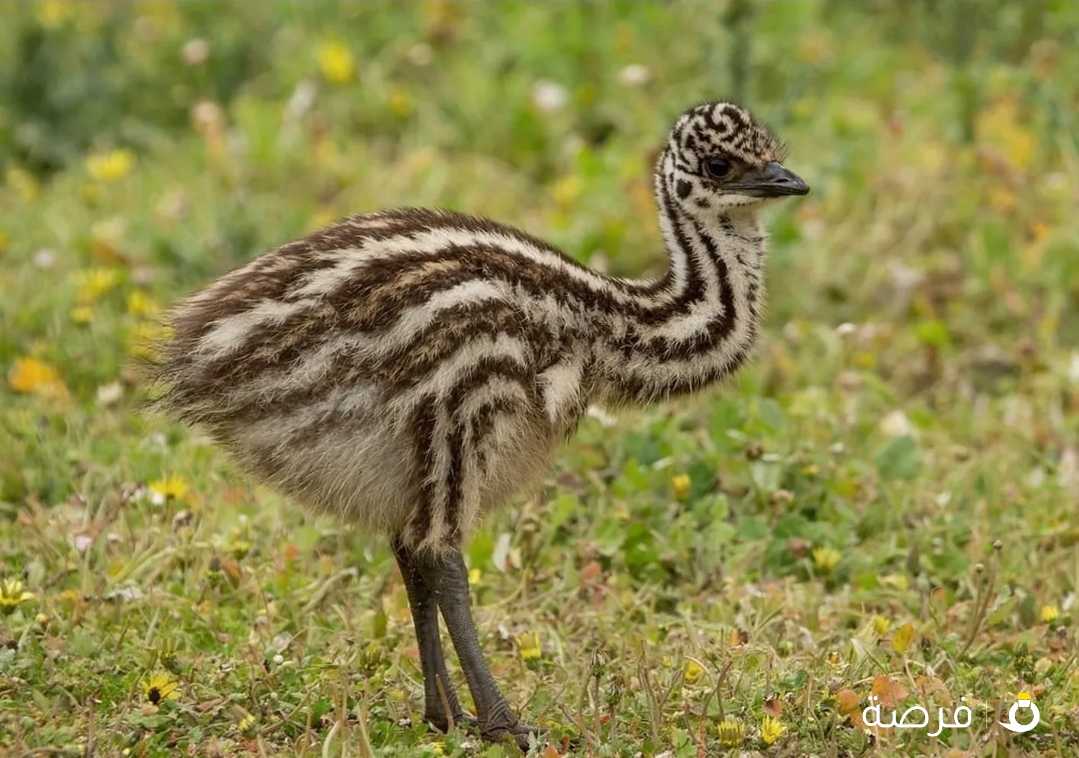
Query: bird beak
x=770 y=180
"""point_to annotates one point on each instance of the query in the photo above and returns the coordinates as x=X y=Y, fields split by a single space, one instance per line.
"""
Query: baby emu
x=410 y=370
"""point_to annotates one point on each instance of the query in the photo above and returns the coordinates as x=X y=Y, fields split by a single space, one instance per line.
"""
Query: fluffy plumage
x=412 y=369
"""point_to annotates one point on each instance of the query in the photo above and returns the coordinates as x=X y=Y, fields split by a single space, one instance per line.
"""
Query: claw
x=519 y=733
x=461 y=720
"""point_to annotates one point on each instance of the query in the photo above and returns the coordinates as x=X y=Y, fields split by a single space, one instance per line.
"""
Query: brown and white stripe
x=411 y=369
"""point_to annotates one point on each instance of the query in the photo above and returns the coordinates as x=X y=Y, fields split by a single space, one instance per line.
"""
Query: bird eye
x=717 y=168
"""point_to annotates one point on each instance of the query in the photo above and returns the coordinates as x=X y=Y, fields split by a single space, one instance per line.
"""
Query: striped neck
x=698 y=323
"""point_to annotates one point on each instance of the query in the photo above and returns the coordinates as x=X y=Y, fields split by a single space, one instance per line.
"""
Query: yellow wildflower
x=336 y=62
x=897 y=581
x=322 y=217
x=681 y=483
x=474 y=576
x=400 y=103
x=53 y=13
x=239 y=547
x=881 y=625
x=95 y=282
x=1001 y=127
x=12 y=595
x=731 y=733
x=528 y=644
x=826 y=559
x=161 y=686
x=82 y=314
x=902 y=638
x=170 y=488
x=1050 y=613
x=247 y=723
x=111 y=166
x=23 y=182
x=144 y=338
x=31 y=376
x=692 y=671
x=141 y=304
x=567 y=190
x=771 y=730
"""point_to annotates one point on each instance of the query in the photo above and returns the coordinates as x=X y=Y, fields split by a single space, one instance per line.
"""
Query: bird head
x=719 y=158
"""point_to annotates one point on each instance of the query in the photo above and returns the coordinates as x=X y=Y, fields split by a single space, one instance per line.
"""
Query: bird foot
x=517 y=732
x=461 y=720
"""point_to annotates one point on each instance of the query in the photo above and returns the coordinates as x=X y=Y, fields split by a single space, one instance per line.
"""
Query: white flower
x=420 y=54
x=196 y=51
x=44 y=258
x=634 y=75
x=107 y=394
x=896 y=424
x=549 y=96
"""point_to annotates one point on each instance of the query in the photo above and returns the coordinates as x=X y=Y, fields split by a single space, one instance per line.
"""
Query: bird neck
x=698 y=323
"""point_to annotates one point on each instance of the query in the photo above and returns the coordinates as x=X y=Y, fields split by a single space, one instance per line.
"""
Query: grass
x=883 y=503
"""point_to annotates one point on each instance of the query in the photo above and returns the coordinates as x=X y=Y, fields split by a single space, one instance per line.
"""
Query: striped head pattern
x=719 y=158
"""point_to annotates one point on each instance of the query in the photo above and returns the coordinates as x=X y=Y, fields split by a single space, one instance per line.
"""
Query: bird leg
x=496 y=721
x=441 y=707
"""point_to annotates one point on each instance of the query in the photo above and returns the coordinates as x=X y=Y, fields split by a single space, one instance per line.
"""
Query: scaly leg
x=448 y=575
x=438 y=691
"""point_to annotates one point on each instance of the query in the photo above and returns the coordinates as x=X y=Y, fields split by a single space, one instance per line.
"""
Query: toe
x=521 y=734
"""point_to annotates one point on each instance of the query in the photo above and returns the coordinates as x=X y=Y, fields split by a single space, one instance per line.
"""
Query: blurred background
x=914 y=400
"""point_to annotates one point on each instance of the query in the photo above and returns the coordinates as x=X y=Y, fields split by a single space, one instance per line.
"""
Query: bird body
x=410 y=370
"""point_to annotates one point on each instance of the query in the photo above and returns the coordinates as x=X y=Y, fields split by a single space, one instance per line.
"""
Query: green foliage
x=902 y=451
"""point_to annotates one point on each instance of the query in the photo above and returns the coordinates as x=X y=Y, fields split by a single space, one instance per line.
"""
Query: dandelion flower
x=23 y=182
x=141 y=304
x=1050 y=613
x=528 y=644
x=33 y=377
x=144 y=338
x=1001 y=128
x=95 y=282
x=680 y=483
x=692 y=671
x=336 y=62
x=53 y=13
x=110 y=166
x=12 y=595
x=239 y=547
x=826 y=559
x=170 y=488
x=771 y=730
x=161 y=686
x=881 y=625
x=400 y=103
x=731 y=733
x=902 y=638
x=82 y=314
x=567 y=190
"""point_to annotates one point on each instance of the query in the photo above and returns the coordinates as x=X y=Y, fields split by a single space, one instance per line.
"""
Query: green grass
x=904 y=450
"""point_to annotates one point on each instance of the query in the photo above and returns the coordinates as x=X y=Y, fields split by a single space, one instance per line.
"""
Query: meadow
x=884 y=503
